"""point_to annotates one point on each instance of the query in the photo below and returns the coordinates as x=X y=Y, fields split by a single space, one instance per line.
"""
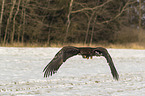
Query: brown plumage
x=86 y=52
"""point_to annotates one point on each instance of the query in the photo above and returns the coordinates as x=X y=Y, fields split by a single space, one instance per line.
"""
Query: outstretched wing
x=105 y=53
x=60 y=57
x=112 y=67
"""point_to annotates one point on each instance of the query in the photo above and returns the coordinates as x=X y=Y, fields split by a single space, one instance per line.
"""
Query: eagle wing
x=112 y=67
x=109 y=61
x=59 y=58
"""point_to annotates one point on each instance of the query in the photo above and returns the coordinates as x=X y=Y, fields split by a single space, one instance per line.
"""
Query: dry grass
x=127 y=46
x=22 y=45
x=130 y=35
x=120 y=46
x=106 y=45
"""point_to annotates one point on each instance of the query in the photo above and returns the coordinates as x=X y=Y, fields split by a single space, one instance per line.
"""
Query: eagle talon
x=91 y=57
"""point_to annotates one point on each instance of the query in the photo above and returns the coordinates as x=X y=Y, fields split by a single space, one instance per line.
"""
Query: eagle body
x=86 y=52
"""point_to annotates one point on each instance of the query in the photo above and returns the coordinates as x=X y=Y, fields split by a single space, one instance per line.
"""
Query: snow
x=21 y=74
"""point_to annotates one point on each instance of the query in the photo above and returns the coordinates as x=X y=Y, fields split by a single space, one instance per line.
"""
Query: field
x=21 y=73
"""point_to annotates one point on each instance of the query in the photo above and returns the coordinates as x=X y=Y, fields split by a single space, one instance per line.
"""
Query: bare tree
x=18 y=33
x=91 y=9
x=140 y=22
x=68 y=20
x=83 y=21
x=24 y=18
x=119 y=14
x=86 y=9
x=1 y=19
x=89 y=22
x=140 y=14
x=91 y=39
x=9 y=20
x=14 y=21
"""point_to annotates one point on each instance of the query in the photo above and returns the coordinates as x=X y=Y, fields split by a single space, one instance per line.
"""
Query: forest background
x=110 y=23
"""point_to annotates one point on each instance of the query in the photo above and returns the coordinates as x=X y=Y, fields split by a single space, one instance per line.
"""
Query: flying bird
x=86 y=52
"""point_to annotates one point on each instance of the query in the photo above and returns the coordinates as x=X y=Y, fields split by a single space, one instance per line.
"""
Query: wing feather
x=111 y=65
x=104 y=52
x=59 y=58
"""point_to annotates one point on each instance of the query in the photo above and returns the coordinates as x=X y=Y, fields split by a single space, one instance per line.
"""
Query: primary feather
x=59 y=58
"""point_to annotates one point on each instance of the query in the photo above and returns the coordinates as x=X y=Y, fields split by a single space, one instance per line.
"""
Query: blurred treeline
x=71 y=21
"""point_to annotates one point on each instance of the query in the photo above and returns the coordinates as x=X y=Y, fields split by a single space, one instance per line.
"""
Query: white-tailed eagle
x=86 y=52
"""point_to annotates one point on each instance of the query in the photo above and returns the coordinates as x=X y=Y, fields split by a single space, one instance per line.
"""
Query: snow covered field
x=21 y=74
